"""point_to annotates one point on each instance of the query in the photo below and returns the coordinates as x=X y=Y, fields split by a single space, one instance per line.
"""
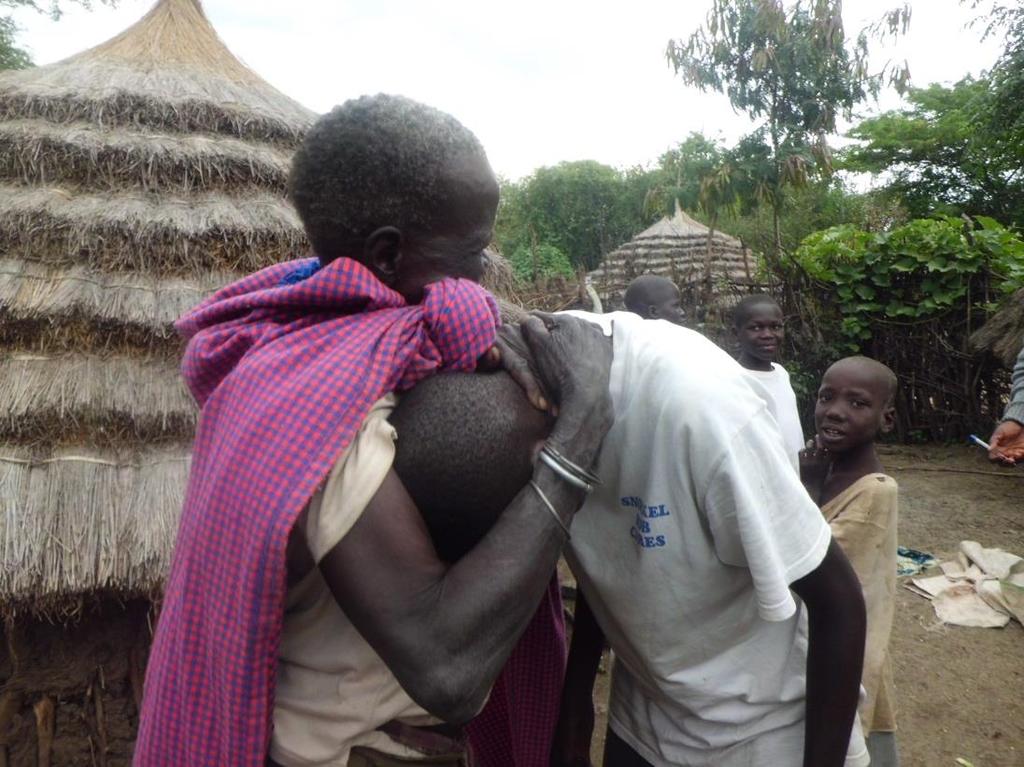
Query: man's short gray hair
x=375 y=161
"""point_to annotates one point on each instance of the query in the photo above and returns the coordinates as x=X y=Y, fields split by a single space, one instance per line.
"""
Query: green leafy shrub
x=540 y=263
x=913 y=273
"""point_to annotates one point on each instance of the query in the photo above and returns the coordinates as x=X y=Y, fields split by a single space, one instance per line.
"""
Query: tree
x=680 y=174
x=789 y=69
x=947 y=152
x=583 y=209
x=13 y=57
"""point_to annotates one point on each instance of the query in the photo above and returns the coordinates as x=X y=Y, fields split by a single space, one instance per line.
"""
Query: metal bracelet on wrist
x=565 y=473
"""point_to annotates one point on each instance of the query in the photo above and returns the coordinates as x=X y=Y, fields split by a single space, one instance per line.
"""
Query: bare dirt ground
x=960 y=691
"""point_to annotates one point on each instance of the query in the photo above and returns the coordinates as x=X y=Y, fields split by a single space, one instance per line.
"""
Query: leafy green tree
x=680 y=174
x=944 y=153
x=584 y=209
x=790 y=69
x=11 y=55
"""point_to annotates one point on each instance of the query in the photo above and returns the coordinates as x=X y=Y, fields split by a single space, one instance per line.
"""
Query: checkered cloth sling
x=517 y=726
x=285 y=372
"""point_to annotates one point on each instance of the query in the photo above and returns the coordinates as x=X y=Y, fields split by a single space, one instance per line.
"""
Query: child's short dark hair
x=746 y=305
x=375 y=161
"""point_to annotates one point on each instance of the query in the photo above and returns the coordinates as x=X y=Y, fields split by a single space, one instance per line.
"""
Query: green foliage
x=943 y=154
x=791 y=69
x=680 y=174
x=541 y=263
x=914 y=273
x=584 y=209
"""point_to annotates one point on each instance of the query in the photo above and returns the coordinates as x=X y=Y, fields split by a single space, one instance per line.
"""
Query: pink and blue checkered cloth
x=285 y=370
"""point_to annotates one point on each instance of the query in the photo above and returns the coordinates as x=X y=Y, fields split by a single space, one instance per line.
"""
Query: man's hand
x=1006 y=445
x=563 y=364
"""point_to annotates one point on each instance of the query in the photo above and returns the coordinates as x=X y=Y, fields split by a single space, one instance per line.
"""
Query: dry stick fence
x=946 y=389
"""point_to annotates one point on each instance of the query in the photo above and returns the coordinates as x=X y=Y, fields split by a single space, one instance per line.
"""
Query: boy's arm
x=835 y=657
x=575 y=730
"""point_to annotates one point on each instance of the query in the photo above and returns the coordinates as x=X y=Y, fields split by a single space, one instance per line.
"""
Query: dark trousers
x=617 y=753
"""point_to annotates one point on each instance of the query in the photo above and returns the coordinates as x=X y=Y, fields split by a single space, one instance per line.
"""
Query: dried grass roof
x=168 y=71
x=676 y=247
x=82 y=155
x=1003 y=334
x=116 y=400
x=135 y=179
x=30 y=290
x=125 y=513
x=134 y=231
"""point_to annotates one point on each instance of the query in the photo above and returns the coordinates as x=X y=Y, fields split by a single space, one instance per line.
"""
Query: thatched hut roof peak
x=680 y=225
x=175 y=33
x=169 y=70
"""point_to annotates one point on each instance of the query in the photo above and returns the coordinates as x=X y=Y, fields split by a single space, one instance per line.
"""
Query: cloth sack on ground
x=981 y=587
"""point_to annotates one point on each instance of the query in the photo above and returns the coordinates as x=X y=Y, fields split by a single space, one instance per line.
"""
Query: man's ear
x=888 y=419
x=382 y=253
x=652 y=311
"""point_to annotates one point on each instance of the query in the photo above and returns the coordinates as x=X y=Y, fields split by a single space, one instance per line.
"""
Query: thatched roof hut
x=1003 y=334
x=680 y=248
x=135 y=178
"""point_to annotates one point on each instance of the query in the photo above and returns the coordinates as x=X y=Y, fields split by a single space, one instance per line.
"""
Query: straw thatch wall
x=678 y=248
x=135 y=179
x=1003 y=334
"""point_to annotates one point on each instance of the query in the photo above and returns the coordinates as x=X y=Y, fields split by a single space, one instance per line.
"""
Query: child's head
x=401 y=187
x=654 y=298
x=856 y=402
x=760 y=330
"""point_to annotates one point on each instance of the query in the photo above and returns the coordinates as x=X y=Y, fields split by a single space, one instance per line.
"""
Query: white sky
x=539 y=81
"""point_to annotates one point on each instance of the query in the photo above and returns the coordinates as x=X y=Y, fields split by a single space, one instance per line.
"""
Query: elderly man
x=301 y=567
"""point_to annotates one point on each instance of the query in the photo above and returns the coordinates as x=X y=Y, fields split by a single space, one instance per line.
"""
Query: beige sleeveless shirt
x=333 y=690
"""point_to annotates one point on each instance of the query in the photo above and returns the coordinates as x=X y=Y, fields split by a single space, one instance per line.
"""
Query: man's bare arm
x=445 y=631
x=835 y=657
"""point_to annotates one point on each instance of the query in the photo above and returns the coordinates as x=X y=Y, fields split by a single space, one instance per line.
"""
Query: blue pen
x=978 y=441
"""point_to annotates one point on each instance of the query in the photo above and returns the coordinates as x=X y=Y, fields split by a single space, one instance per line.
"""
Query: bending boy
x=688 y=556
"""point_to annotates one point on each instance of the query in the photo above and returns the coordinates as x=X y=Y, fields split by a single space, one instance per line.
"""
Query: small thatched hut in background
x=1003 y=334
x=710 y=269
x=135 y=178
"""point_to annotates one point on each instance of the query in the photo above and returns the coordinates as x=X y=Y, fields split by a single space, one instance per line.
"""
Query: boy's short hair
x=464 y=452
x=883 y=371
x=746 y=305
x=375 y=161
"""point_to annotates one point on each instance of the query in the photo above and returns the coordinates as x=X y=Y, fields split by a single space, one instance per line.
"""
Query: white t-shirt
x=686 y=552
x=782 y=404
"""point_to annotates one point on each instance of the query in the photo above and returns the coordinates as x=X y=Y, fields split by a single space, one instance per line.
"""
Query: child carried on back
x=841 y=471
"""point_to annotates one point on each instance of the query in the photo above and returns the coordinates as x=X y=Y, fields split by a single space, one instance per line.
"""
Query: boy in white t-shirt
x=689 y=555
x=760 y=330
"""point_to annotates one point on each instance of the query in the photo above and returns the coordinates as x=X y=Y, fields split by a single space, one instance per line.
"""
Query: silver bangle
x=579 y=471
x=551 y=508
x=564 y=473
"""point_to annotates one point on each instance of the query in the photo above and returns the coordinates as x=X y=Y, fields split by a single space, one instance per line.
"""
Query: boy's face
x=761 y=333
x=852 y=407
